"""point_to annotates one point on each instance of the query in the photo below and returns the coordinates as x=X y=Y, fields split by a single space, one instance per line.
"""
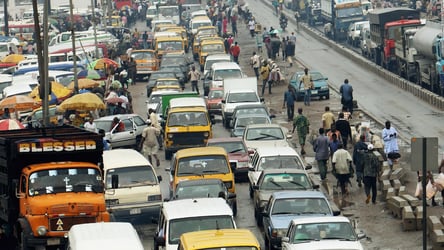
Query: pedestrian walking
x=275 y=46
x=308 y=86
x=343 y=126
x=149 y=144
x=255 y=63
x=302 y=124
x=145 y=39
x=224 y=25
x=152 y=116
x=289 y=99
x=358 y=159
x=235 y=51
x=132 y=70
x=321 y=149
x=371 y=173
x=333 y=144
x=265 y=73
x=346 y=91
x=284 y=48
x=328 y=118
x=390 y=138
x=342 y=166
x=274 y=77
x=252 y=26
x=234 y=25
x=194 y=77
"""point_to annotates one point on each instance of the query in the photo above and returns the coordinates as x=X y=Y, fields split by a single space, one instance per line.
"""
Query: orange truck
x=50 y=180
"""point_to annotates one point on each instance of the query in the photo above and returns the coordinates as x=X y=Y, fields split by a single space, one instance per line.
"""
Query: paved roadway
x=378 y=97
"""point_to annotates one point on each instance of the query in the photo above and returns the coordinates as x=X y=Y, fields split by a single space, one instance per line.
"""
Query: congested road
x=377 y=97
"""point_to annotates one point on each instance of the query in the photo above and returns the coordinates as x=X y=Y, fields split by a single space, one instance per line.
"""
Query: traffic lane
x=412 y=117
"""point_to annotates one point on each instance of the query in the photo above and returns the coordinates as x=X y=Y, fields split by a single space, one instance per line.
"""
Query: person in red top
x=235 y=51
x=119 y=123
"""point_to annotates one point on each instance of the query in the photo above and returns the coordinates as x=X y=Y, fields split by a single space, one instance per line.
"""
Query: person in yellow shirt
x=328 y=118
x=308 y=86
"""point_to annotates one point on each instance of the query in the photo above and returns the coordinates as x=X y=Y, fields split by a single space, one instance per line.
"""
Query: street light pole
x=94 y=27
x=5 y=11
x=74 y=54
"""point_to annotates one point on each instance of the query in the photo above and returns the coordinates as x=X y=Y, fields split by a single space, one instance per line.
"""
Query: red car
x=214 y=100
x=237 y=154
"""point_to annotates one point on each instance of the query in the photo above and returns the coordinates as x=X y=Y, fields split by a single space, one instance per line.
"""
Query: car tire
x=234 y=208
x=251 y=191
x=327 y=97
x=226 y=123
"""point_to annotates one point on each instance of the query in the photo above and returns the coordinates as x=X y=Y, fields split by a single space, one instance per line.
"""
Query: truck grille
x=60 y=224
x=193 y=138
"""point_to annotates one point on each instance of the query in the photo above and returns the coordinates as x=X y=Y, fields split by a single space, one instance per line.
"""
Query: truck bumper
x=44 y=241
x=136 y=215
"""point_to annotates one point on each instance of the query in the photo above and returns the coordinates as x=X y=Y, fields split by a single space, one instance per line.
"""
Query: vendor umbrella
x=58 y=93
x=91 y=74
x=18 y=103
x=85 y=101
x=103 y=63
x=13 y=58
x=9 y=124
x=84 y=83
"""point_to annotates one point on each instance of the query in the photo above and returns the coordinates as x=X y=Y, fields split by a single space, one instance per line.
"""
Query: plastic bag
x=418 y=191
x=430 y=190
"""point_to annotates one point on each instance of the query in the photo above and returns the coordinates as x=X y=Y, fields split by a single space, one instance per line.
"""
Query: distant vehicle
x=320 y=90
x=219 y=239
x=243 y=121
x=326 y=232
x=283 y=206
x=205 y=188
x=272 y=180
x=63 y=66
x=214 y=101
x=260 y=109
x=260 y=135
x=237 y=154
x=129 y=137
x=354 y=32
x=107 y=235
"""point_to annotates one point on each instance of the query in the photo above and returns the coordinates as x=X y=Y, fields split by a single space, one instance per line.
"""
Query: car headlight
x=170 y=136
x=324 y=87
x=229 y=110
x=206 y=134
x=42 y=230
x=242 y=164
x=156 y=197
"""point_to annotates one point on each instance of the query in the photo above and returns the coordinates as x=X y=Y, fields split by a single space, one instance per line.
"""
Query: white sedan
x=266 y=135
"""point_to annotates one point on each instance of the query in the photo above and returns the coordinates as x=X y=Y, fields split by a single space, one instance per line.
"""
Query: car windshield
x=168 y=83
x=156 y=76
x=213 y=48
x=273 y=162
x=199 y=191
x=242 y=97
x=285 y=181
x=187 y=119
x=180 y=226
x=170 y=45
x=131 y=177
x=242 y=122
x=215 y=94
x=155 y=98
x=209 y=63
x=196 y=25
x=142 y=55
x=323 y=231
x=151 y=12
x=198 y=165
x=259 y=134
x=172 y=11
x=206 y=32
x=65 y=180
x=246 y=111
x=230 y=147
x=227 y=73
x=300 y=206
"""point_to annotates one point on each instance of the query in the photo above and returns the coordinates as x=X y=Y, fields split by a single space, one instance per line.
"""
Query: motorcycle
x=283 y=23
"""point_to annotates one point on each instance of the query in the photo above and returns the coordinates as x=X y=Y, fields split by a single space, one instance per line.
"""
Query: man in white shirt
x=252 y=26
x=255 y=63
x=90 y=125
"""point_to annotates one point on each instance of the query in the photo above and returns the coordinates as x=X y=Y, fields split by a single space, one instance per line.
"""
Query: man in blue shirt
x=346 y=91
x=289 y=101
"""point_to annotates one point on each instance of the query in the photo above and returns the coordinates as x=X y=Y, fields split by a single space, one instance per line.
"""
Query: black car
x=157 y=75
x=182 y=63
x=183 y=78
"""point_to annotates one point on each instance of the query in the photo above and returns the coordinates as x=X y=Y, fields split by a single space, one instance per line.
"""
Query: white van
x=103 y=235
x=212 y=59
x=189 y=215
x=220 y=71
x=60 y=76
x=132 y=188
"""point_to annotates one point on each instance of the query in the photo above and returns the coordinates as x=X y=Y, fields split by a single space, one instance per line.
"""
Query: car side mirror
x=315 y=186
x=255 y=187
x=159 y=178
x=308 y=167
x=262 y=99
x=272 y=116
x=289 y=136
x=285 y=239
x=336 y=212
x=160 y=240
x=231 y=195
x=223 y=101
x=213 y=121
x=167 y=169
x=250 y=168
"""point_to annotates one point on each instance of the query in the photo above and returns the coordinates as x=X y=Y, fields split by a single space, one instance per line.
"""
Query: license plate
x=314 y=92
x=53 y=241
x=135 y=211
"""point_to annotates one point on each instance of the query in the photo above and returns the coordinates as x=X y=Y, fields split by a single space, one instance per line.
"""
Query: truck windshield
x=185 y=225
x=65 y=180
x=131 y=176
x=349 y=12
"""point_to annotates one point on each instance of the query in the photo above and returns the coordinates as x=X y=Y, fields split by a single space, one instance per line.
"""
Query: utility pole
x=74 y=54
x=93 y=8
x=5 y=10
